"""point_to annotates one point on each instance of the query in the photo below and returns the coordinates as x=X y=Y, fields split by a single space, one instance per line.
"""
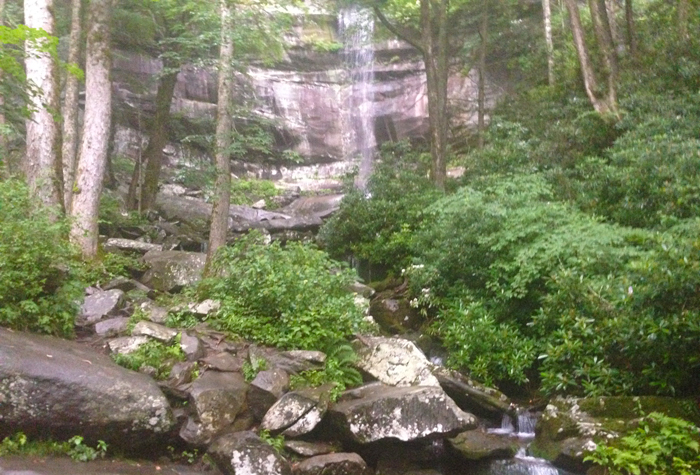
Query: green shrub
x=38 y=283
x=19 y=444
x=338 y=370
x=290 y=297
x=376 y=225
x=247 y=192
x=155 y=354
x=661 y=445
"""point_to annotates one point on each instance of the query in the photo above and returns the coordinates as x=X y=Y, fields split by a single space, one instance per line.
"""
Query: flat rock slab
x=16 y=465
x=333 y=464
x=381 y=412
x=99 y=305
x=477 y=445
x=154 y=330
x=54 y=387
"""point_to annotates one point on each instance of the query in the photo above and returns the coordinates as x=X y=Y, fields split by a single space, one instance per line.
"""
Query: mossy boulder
x=571 y=427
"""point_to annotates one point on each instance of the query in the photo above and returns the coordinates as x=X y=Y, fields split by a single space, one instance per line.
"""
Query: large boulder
x=172 y=270
x=377 y=412
x=394 y=362
x=244 y=453
x=473 y=396
x=53 y=387
x=477 y=445
x=570 y=427
x=216 y=399
x=319 y=206
x=267 y=387
x=298 y=412
x=100 y=304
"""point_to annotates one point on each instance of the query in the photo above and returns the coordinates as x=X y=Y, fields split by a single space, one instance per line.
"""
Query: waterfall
x=357 y=30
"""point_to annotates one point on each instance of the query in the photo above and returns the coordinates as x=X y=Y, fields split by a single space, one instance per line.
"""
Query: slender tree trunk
x=601 y=24
x=70 y=109
x=142 y=192
x=4 y=159
x=589 y=79
x=224 y=125
x=683 y=20
x=481 y=113
x=93 y=149
x=437 y=72
x=41 y=164
x=611 y=8
x=631 y=29
x=547 y=13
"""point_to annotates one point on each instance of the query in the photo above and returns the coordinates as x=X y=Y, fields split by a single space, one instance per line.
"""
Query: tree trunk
x=601 y=24
x=70 y=109
x=436 y=69
x=631 y=29
x=142 y=192
x=683 y=20
x=589 y=79
x=41 y=164
x=611 y=8
x=5 y=168
x=481 y=113
x=547 y=13
x=224 y=125
x=93 y=149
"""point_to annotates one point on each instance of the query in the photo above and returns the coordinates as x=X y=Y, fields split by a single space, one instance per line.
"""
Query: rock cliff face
x=313 y=96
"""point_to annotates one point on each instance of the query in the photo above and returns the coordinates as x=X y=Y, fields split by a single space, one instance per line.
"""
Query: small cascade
x=357 y=31
x=526 y=424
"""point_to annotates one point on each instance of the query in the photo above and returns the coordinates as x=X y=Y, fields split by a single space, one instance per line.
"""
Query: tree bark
x=683 y=20
x=589 y=79
x=5 y=169
x=631 y=29
x=143 y=190
x=611 y=8
x=481 y=113
x=224 y=125
x=94 y=146
x=70 y=109
x=547 y=13
x=41 y=165
x=601 y=24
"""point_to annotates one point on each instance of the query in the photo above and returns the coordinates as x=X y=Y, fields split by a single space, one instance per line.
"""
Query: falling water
x=357 y=29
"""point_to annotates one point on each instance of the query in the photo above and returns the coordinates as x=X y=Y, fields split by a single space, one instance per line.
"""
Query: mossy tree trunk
x=481 y=99
x=144 y=182
x=41 y=165
x=224 y=126
x=70 y=109
x=547 y=17
x=93 y=150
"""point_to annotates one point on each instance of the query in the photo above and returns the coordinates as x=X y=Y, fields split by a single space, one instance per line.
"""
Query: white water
x=357 y=30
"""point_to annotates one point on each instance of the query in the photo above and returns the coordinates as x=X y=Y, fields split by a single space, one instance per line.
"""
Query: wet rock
x=297 y=412
x=53 y=387
x=112 y=327
x=267 y=387
x=100 y=304
x=181 y=373
x=194 y=212
x=223 y=361
x=310 y=449
x=155 y=331
x=127 y=344
x=170 y=271
x=205 y=307
x=125 y=284
x=377 y=412
x=216 y=399
x=244 y=453
x=292 y=362
x=321 y=206
x=473 y=396
x=394 y=362
x=393 y=312
x=131 y=245
x=361 y=289
x=153 y=312
x=333 y=464
x=477 y=445
x=191 y=346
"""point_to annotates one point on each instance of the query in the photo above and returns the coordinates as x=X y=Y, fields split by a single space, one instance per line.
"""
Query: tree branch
x=395 y=30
